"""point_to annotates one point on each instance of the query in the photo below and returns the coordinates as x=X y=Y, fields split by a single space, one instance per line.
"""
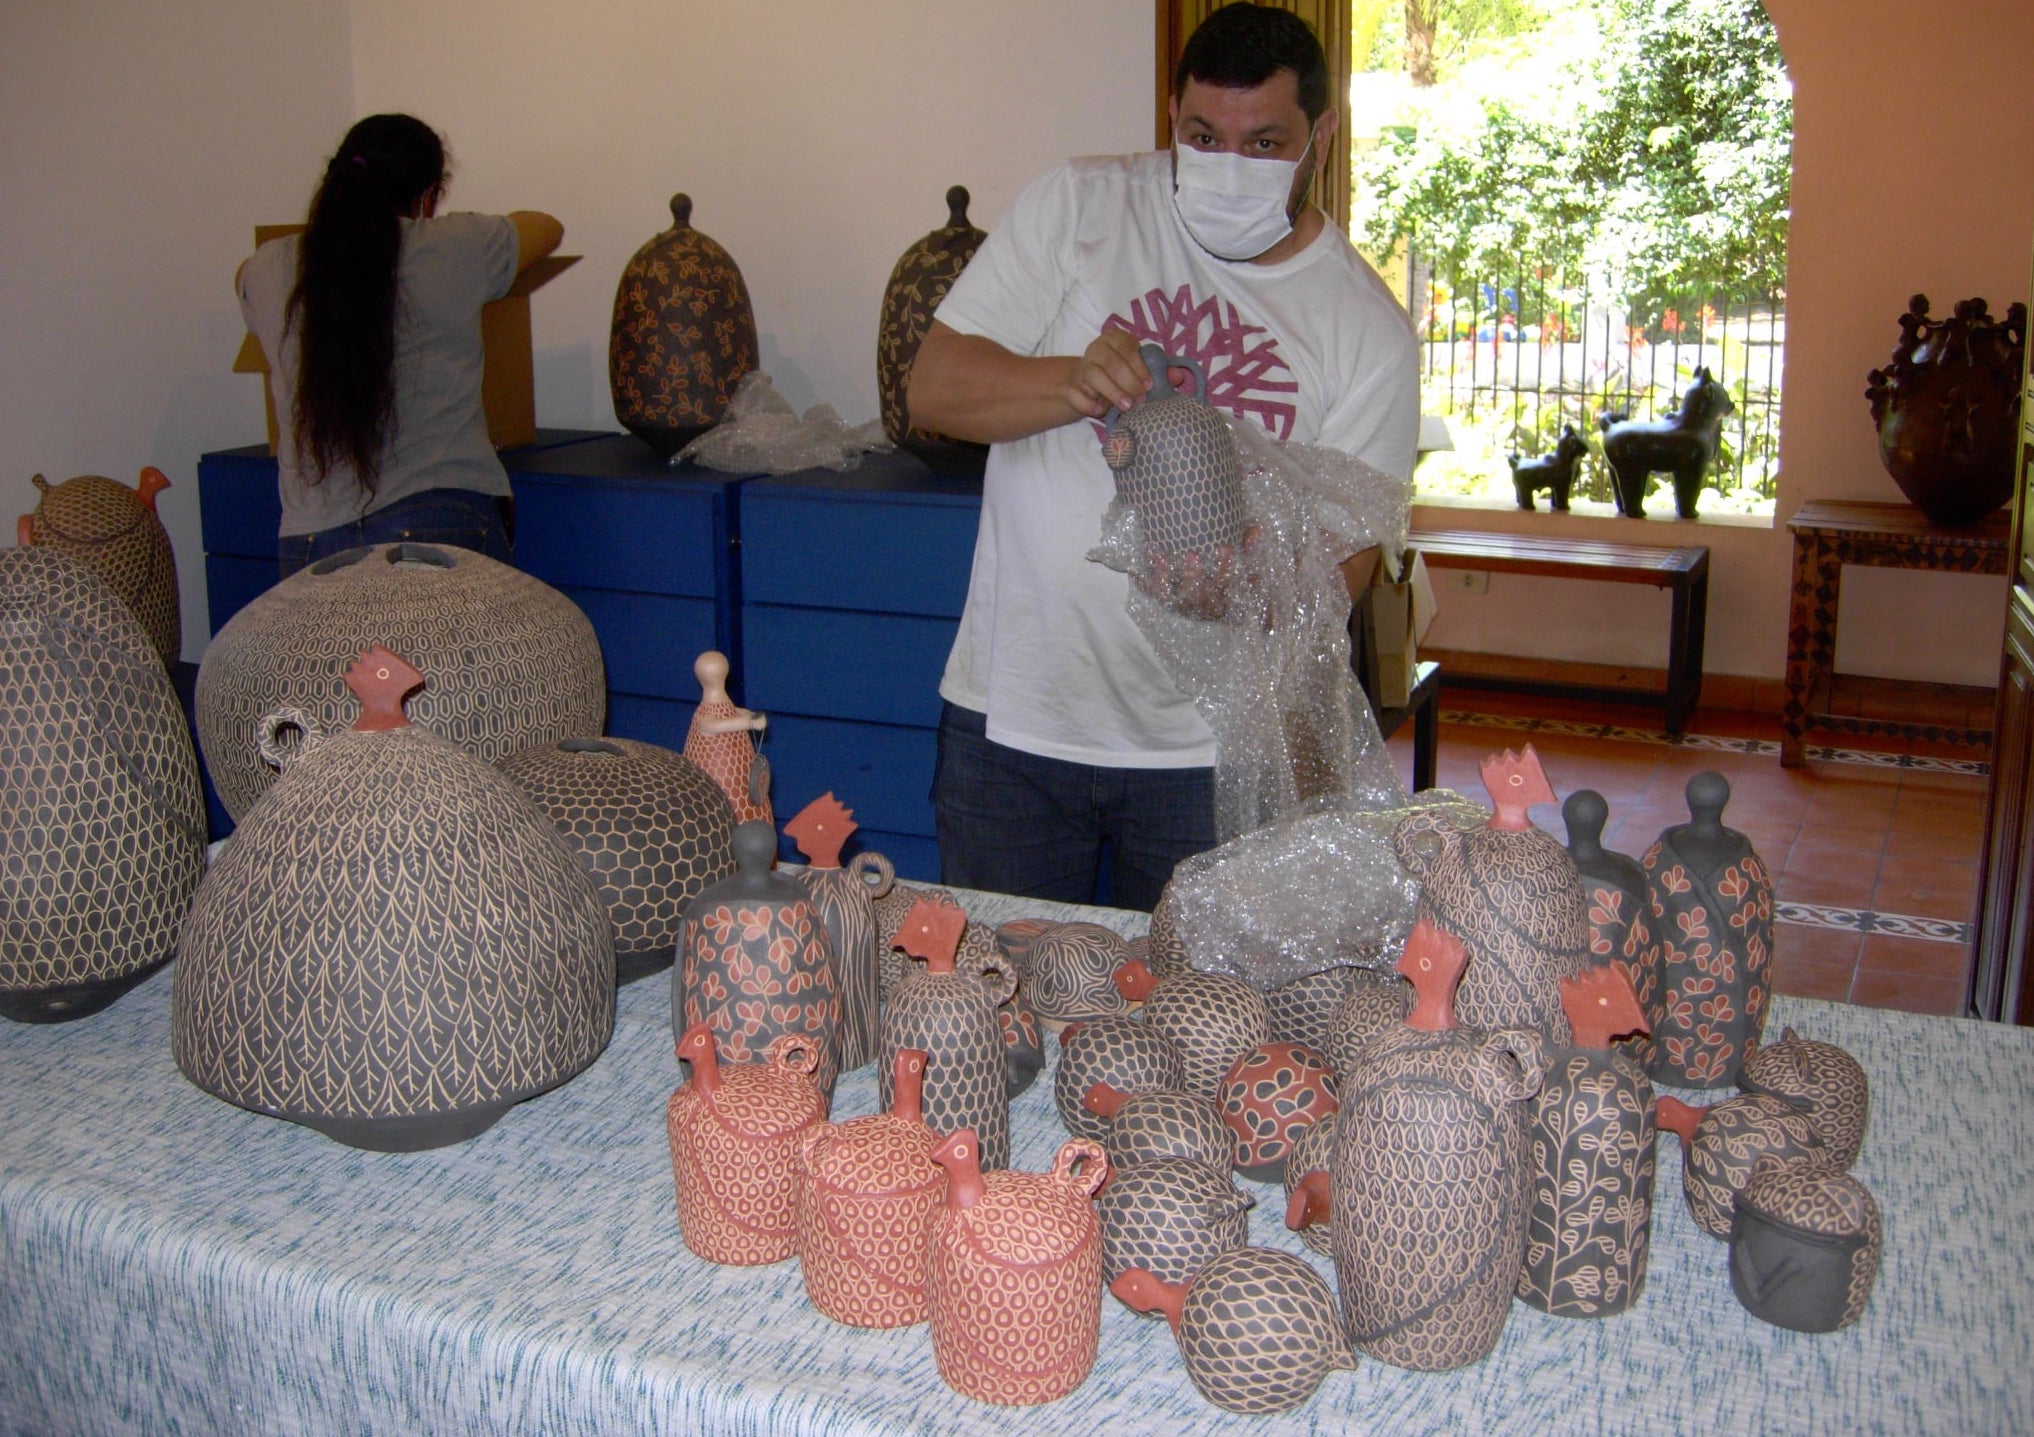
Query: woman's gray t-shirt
x=451 y=267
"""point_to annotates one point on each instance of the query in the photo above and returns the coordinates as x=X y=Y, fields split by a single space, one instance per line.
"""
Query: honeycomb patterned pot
x=1824 y=1082
x=395 y=947
x=951 y=1017
x=1274 y=1093
x=103 y=823
x=1175 y=464
x=1371 y=1008
x=1805 y=1242
x=1720 y=1146
x=1164 y=1124
x=1168 y=1216
x=649 y=827
x=1257 y=1328
x=513 y=662
x=920 y=280
x=1212 y=1019
x=1116 y=1050
x=113 y=531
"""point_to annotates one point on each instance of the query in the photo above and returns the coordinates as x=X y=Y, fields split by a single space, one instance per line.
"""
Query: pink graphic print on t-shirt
x=1246 y=374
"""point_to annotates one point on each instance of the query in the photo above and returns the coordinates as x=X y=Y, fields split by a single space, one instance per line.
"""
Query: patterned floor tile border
x=1766 y=747
x=1863 y=920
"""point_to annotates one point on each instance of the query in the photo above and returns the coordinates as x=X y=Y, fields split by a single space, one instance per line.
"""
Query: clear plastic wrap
x=1317 y=888
x=763 y=434
x=1271 y=673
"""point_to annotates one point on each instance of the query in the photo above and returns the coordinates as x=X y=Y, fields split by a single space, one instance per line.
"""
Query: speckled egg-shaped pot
x=1164 y=1124
x=1213 y=1020
x=103 y=821
x=1313 y=1154
x=1301 y=1011
x=1168 y=1216
x=1371 y=1008
x=1118 y=1051
x=512 y=662
x=1721 y=1145
x=1805 y=1242
x=1272 y=1094
x=648 y=826
x=113 y=531
x=1827 y=1084
x=920 y=280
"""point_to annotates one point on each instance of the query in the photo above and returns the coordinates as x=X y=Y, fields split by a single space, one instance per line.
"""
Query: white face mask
x=1234 y=206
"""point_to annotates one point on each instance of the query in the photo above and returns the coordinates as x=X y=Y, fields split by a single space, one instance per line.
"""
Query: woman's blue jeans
x=464 y=517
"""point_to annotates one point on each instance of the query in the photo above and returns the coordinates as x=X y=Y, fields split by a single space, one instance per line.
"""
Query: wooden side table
x=1831 y=533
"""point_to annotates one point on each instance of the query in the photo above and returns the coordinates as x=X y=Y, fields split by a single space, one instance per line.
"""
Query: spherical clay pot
x=1168 y=1216
x=1211 y=1018
x=1164 y=1124
x=1827 y=1084
x=1948 y=406
x=1072 y=970
x=1309 y=1197
x=1118 y=1051
x=1720 y=1145
x=1175 y=464
x=920 y=280
x=512 y=661
x=113 y=531
x=1269 y=1097
x=950 y=1016
x=395 y=947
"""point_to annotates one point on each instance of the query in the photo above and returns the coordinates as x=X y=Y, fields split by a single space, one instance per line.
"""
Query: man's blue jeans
x=464 y=517
x=1012 y=822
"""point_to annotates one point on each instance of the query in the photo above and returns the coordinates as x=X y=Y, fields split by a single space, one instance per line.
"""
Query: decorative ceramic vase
x=1431 y=1182
x=1073 y=968
x=1948 y=408
x=920 y=280
x=1257 y=1328
x=951 y=1017
x=865 y=1197
x=683 y=336
x=1175 y=464
x=1309 y=1192
x=735 y=1137
x=755 y=965
x=1168 y=1216
x=513 y=662
x=1620 y=921
x=1165 y=951
x=103 y=822
x=1302 y=1010
x=1824 y=1082
x=1805 y=1241
x=1272 y=1094
x=1589 y=1230
x=1164 y=1124
x=844 y=898
x=719 y=741
x=1118 y=1051
x=1721 y=1144
x=1512 y=895
x=1015 y=1274
x=1711 y=905
x=113 y=531
x=649 y=828
x=1212 y=1019
x=1371 y=1008
x=395 y=947
x=1023 y=1042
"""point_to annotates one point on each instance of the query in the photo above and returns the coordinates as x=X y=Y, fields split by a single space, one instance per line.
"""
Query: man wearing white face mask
x=1062 y=729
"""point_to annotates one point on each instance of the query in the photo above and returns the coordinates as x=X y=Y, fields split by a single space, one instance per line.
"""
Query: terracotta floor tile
x=1926 y=887
x=1907 y=992
x=1830 y=887
x=1915 y=957
x=1823 y=850
x=1805 y=944
x=1828 y=981
x=1904 y=844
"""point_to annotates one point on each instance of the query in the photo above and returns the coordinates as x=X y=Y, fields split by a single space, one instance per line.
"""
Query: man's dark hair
x=1239 y=47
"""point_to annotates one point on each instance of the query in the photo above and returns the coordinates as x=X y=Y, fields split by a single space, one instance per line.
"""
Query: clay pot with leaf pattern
x=1116 y=1050
x=114 y=531
x=1827 y=1084
x=1269 y=1097
x=1721 y=1144
x=1620 y=921
x=1309 y=1194
x=951 y=1017
x=1162 y=1124
x=1805 y=1243
x=844 y=898
x=1170 y=1215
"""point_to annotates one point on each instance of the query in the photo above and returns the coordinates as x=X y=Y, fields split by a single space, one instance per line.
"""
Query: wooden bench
x=1683 y=571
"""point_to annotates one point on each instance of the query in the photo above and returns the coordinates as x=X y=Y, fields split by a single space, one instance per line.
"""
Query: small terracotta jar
x=1118 y=1051
x=1710 y=901
x=1430 y=1184
x=1211 y=1018
x=1168 y=1216
x=1721 y=1144
x=1164 y=1124
x=1272 y=1094
x=756 y=965
x=951 y=1017
x=1372 y=1007
x=1824 y=1082
x=1589 y=1230
x=1309 y=1195
x=1257 y=1328
x=1805 y=1242
x=844 y=898
x=719 y=741
x=920 y=280
x=1620 y=922
x=1302 y=1010
x=735 y=1136
x=1512 y=895
x=1176 y=466
x=114 y=531
x=1073 y=970
x=866 y=1194
x=1014 y=1274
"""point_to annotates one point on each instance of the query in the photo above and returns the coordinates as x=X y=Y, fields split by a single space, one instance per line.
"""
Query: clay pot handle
x=270 y=737
x=1082 y=1165
x=1134 y=980
x=784 y=1051
x=999 y=989
x=1519 y=1079
x=1309 y=1203
x=1141 y=1291
x=874 y=870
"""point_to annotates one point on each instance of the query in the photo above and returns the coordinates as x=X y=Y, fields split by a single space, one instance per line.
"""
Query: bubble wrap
x=763 y=434
x=1271 y=675
x=1317 y=888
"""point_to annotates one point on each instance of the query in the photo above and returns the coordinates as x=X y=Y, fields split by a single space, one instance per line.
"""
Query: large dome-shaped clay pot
x=684 y=334
x=395 y=947
x=113 y=531
x=102 y=823
x=512 y=661
x=1948 y=408
x=649 y=827
x=923 y=275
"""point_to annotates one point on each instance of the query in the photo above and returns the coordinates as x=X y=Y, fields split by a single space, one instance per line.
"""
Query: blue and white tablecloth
x=169 y=1263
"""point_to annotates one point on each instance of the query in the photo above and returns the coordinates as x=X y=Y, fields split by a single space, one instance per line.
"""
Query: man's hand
x=1193 y=586
x=1110 y=374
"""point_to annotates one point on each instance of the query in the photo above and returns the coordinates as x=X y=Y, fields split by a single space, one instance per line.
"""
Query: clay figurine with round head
x=719 y=742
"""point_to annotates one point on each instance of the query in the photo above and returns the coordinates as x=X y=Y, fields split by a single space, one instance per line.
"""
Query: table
x=169 y=1263
x=1423 y=706
x=1829 y=533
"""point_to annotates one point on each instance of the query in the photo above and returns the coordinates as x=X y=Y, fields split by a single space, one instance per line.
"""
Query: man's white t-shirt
x=1313 y=348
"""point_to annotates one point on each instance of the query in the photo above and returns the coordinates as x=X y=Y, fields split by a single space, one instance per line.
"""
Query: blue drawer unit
x=852 y=587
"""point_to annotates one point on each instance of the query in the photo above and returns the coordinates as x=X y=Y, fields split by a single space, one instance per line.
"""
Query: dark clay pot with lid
x=1805 y=1242
x=1827 y=1084
x=1620 y=927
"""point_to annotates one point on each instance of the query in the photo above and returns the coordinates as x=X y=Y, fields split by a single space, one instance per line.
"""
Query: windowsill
x=1586 y=511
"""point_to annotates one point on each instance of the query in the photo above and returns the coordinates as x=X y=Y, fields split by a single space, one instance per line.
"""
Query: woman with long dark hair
x=371 y=321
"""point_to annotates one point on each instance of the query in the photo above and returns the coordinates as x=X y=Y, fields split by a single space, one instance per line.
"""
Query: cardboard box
x=1391 y=612
x=508 y=385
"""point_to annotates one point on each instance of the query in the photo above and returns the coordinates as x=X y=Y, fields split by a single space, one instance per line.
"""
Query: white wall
x=139 y=143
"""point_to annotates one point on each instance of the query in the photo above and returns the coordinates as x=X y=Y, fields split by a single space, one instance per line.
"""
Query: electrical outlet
x=1468 y=581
